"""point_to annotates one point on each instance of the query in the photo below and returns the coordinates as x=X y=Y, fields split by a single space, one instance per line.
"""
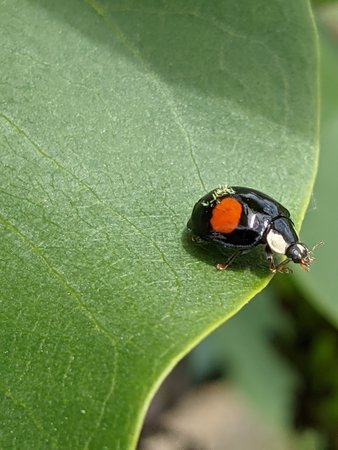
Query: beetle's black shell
x=258 y=212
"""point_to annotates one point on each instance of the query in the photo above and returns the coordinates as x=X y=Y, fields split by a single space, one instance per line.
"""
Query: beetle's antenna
x=311 y=257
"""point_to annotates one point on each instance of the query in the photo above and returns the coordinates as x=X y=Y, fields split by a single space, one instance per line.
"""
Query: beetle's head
x=300 y=254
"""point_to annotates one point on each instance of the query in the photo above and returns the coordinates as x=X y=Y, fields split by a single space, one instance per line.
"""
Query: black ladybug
x=240 y=218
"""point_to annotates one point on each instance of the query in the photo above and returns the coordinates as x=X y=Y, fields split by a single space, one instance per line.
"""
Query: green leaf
x=115 y=118
x=321 y=286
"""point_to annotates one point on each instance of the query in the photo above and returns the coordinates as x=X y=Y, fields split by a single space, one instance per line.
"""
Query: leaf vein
x=54 y=272
x=164 y=91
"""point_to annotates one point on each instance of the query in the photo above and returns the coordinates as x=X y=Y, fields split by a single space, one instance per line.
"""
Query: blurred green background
x=280 y=353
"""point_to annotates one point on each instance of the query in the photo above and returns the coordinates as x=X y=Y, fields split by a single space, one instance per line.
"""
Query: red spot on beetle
x=226 y=215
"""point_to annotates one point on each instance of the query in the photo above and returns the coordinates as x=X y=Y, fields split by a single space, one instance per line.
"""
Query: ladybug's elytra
x=240 y=218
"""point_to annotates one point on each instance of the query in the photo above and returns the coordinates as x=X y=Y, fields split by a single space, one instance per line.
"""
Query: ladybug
x=241 y=218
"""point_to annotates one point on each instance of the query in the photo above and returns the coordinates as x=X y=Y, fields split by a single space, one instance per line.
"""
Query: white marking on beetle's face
x=302 y=248
x=276 y=242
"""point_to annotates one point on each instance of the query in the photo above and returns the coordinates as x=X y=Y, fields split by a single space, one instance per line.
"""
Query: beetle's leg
x=196 y=239
x=223 y=266
x=269 y=257
x=280 y=267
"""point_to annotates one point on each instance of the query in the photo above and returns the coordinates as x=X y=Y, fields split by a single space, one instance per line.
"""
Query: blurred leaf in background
x=243 y=350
